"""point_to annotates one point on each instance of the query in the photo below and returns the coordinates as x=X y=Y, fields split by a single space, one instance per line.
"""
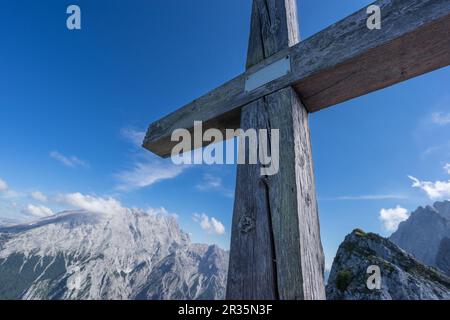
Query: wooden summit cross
x=276 y=251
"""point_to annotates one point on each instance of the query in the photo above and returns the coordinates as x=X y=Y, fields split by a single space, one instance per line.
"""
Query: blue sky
x=74 y=104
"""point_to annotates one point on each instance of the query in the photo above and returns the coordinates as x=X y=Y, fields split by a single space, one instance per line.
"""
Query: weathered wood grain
x=252 y=272
x=342 y=62
x=276 y=251
x=274 y=24
x=293 y=204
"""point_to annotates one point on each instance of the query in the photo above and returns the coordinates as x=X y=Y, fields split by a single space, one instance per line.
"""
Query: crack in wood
x=272 y=238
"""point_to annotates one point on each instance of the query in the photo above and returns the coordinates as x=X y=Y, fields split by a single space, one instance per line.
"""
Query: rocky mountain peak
x=402 y=276
x=443 y=208
x=422 y=233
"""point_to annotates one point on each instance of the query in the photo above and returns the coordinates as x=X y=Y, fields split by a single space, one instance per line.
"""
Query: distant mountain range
x=413 y=262
x=136 y=255
x=426 y=235
x=131 y=255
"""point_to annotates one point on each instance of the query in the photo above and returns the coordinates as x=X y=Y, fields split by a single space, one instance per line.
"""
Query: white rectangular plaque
x=268 y=74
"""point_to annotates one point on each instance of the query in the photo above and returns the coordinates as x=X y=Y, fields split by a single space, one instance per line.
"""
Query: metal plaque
x=268 y=74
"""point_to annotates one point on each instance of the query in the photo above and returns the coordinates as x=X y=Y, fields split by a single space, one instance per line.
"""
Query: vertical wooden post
x=276 y=252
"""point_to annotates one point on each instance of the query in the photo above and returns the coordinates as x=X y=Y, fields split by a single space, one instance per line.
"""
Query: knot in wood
x=274 y=26
x=308 y=200
x=302 y=162
x=246 y=224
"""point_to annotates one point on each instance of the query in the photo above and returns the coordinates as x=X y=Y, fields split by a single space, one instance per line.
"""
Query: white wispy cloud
x=210 y=181
x=367 y=197
x=211 y=225
x=441 y=118
x=431 y=132
x=447 y=168
x=145 y=169
x=136 y=137
x=105 y=205
x=92 y=204
x=434 y=190
x=11 y=194
x=161 y=212
x=214 y=183
x=38 y=211
x=3 y=185
x=6 y=191
x=442 y=148
x=39 y=196
x=144 y=174
x=69 y=161
x=391 y=218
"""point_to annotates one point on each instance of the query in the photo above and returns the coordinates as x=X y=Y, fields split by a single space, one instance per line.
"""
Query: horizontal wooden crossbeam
x=342 y=62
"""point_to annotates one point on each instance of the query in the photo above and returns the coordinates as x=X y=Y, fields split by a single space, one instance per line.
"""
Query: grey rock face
x=422 y=233
x=402 y=276
x=443 y=208
x=131 y=255
x=443 y=256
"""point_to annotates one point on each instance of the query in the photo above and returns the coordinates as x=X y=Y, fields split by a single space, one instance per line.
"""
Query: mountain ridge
x=126 y=255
